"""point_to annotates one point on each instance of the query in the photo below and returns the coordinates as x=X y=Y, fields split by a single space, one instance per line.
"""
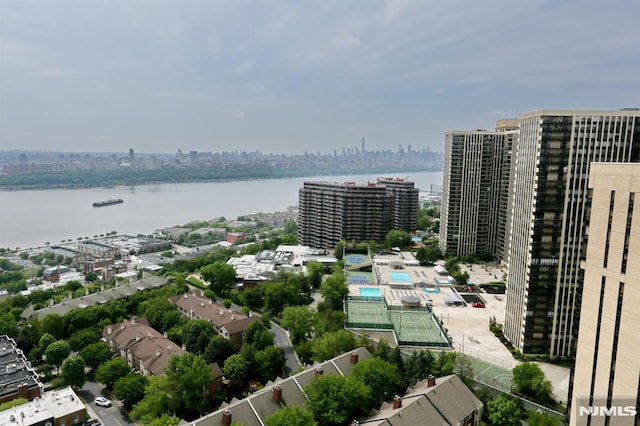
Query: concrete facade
x=607 y=371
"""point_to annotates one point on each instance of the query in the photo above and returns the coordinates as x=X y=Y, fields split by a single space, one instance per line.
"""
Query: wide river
x=31 y=218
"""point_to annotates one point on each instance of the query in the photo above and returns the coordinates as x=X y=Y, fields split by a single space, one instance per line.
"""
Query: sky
x=301 y=76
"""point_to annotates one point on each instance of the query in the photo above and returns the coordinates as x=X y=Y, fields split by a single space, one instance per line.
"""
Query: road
x=281 y=340
x=114 y=415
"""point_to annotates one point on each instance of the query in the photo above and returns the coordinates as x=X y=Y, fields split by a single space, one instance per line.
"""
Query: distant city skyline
x=290 y=77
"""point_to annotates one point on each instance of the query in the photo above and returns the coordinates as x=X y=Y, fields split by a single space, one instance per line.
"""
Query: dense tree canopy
x=298 y=320
x=334 y=289
x=188 y=375
x=72 y=372
x=130 y=389
x=382 y=377
x=530 y=381
x=220 y=276
x=336 y=400
x=330 y=345
x=112 y=370
x=57 y=352
x=504 y=411
x=96 y=354
x=291 y=415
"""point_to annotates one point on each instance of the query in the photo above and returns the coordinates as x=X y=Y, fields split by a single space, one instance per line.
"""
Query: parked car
x=477 y=305
x=93 y=422
x=102 y=402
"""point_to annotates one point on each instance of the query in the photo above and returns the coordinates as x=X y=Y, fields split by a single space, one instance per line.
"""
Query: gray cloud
x=162 y=75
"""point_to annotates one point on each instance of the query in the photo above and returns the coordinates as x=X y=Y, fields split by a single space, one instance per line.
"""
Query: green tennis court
x=372 y=312
x=417 y=326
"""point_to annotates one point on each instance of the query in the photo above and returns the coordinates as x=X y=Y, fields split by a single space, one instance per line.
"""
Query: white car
x=102 y=402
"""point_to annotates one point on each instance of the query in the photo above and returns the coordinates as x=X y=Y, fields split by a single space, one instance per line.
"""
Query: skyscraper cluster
x=520 y=194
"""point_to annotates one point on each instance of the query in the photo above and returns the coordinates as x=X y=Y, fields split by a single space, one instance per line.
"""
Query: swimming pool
x=431 y=290
x=400 y=276
x=370 y=292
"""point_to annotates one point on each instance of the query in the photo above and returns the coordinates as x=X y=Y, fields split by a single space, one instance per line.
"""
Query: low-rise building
x=17 y=378
x=229 y=324
x=445 y=401
x=253 y=410
x=60 y=407
x=144 y=348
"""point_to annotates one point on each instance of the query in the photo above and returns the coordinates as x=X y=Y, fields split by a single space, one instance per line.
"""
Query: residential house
x=228 y=323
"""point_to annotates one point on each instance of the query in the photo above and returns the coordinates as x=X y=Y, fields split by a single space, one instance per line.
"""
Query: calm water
x=31 y=218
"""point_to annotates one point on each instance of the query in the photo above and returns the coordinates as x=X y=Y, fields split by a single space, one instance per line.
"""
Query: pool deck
x=468 y=326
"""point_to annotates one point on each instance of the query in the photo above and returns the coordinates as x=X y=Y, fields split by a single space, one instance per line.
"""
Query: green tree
x=397 y=238
x=543 y=419
x=218 y=349
x=258 y=335
x=464 y=368
x=130 y=389
x=83 y=338
x=112 y=370
x=156 y=402
x=334 y=289
x=291 y=415
x=96 y=354
x=72 y=372
x=330 y=345
x=338 y=252
x=504 y=411
x=445 y=363
x=418 y=366
x=382 y=377
x=57 y=352
x=299 y=321
x=164 y=420
x=336 y=400
x=269 y=363
x=220 y=276
x=530 y=381
x=45 y=341
x=235 y=367
x=54 y=325
x=188 y=375
x=197 y=334
x=315 y=270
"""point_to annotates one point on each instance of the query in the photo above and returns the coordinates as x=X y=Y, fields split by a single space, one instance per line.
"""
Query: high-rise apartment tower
x=330 y=211
x=473 y=218
x=607 y=372
x=547 y=234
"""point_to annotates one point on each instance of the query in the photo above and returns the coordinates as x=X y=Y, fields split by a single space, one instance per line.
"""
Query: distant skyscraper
x=607 y=370
x=548 y=215
x=473 y=217
x=330 y=212
x=131 y=155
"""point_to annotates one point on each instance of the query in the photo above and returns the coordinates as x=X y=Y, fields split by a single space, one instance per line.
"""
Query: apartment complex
x=60 y=407
x=330 y=211
x=473 y=218
x=547 y=234
x=607 y=371
x=17 y=378
x=404 y=207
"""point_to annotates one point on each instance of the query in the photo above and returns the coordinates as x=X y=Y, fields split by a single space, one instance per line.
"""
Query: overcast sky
x=289 y=76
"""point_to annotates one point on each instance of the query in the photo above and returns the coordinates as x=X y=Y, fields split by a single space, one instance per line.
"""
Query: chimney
x=319 y=371
x=397 y=402
x=276 y=393
x=158 y=352
x=109 y=330
x=133 y=321
x=165 y=335
x=354 y=357
x=121 y=326
x=184 y=347
x=201 y=293
x=226 y=417
x=431 y=381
